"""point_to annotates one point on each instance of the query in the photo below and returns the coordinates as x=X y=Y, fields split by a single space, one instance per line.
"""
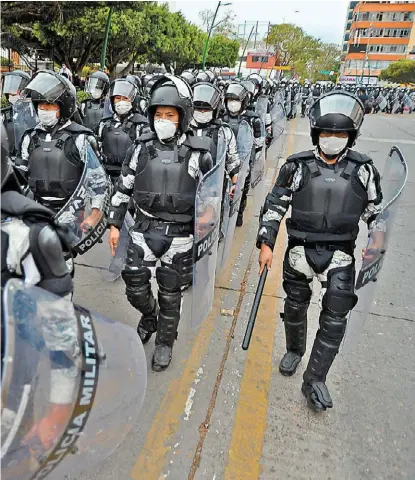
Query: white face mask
x=165 y=129
x=13 y=98
x=48 y=117
x=122 y=107
x=234 y=106
x=202 y=117
x=96 y=94
x=332 y=145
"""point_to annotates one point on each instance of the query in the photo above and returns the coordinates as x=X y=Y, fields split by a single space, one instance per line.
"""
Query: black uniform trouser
x=335 y=270
x=175 y=253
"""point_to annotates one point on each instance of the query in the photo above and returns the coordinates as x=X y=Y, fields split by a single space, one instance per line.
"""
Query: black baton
x=254 y=310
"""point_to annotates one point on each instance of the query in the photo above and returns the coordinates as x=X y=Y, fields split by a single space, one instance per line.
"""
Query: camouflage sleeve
x=277 y=203
x=232 y=158
x=370 y=178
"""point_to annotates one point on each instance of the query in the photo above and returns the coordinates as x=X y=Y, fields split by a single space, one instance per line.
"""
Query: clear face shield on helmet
x=95 y=87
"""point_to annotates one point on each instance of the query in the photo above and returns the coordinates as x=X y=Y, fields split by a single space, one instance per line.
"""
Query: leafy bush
x=4 y=61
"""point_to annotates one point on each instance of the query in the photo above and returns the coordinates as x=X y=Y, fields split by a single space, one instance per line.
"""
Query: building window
x=256 y=59
x=348 y=25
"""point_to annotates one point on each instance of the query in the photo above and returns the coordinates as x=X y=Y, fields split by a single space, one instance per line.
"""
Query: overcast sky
x=322 y=19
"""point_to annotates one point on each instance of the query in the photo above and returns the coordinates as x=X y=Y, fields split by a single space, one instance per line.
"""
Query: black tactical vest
x=211 y=131
x=116 y=141
x=51 y=172
x=234 y=123
x=163 y=186
x=7 y=114
x=93 y=113
x=329 y=205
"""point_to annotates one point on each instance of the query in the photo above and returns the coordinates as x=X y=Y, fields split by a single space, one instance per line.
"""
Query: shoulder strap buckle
x=348 y=170
x=313 y=167
x=151 y=149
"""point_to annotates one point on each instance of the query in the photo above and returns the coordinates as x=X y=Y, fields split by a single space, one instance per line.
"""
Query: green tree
x=287 y=40
x=402 y=71
x=222 y=52
x=223 y=25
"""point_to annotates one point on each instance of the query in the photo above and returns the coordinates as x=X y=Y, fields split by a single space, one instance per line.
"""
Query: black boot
x=240 y=220
x=148 y=324
x=325 y=348
x=169 y=297
x=295 y=324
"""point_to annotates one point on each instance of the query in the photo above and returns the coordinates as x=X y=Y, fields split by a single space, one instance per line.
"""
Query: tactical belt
x=145 y=224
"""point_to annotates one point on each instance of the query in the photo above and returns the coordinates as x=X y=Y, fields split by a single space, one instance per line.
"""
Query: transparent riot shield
x=85 y=213
x=258 y=166
x=244 y=142
x=407 y=100
x=382 y=103
x=396 y=105
x=279 y=122
x=393 y=182
x=118 y=260
x=108 y=111
x=73 y=384
x=206 y=236
x=24 y=117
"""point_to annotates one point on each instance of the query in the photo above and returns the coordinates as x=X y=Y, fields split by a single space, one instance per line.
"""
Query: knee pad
x=332 y=327
x=135 y=256
x=340 y=298
x=138 y=289
x=169 y=282
x=183 y=264
x=295 y=284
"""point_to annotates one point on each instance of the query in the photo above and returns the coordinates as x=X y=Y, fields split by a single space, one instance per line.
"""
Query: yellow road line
x=250 y=419
x=152 y=457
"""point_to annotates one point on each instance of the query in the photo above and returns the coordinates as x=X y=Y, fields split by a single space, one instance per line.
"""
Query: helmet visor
x=182 y=87
x=206 y=94
x=337 y=104
x=93 y=84
x=11 y=84
x=123 y=88
x=235 y=90
x=48 y=86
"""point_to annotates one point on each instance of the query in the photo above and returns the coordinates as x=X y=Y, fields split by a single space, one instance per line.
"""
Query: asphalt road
x=221 y=413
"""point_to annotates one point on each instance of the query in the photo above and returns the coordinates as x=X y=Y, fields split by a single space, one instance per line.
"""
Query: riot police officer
x=118 y=132
x=207 y=102
x=237 y=100
x=53 y=154
x=32 y=250
x=161 y=174
x=93 y=108
x=12 y=86
x=329 y=189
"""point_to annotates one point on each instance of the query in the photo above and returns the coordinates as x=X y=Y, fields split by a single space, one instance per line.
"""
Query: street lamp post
x=243 y=53
x=107 y=32
x=212 y=26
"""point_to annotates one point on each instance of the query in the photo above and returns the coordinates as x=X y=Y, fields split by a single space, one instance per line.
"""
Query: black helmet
x=189 y=77
x=12 y=83
x=7 y=172
x=135 y=79
x=171 y=91
x=206 y=95
x=123 y=87
x=48 y=86
x=203 y=77
x=256 y=79
x=336 y=111
x=98 y=81
x=237 y=91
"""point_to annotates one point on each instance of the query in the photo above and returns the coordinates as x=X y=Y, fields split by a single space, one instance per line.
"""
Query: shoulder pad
x=17 y=205
x=251 y=114
x=146 y=137
x=357 y=157
x=105 y=119
x=217 y=121
x=301 y=156
x=138 y=118
x=78 y=129
x=197 y=143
